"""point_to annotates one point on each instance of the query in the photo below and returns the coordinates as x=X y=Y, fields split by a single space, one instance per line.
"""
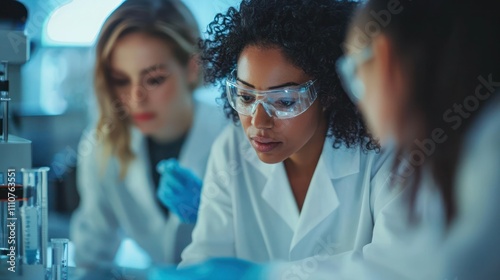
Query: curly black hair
x=309 y=33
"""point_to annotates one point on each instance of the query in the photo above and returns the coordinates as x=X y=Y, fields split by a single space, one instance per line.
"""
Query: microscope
x=15 y=152
x=23 y=190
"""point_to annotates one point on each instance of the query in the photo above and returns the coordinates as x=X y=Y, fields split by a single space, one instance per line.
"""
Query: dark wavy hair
x=309 y=33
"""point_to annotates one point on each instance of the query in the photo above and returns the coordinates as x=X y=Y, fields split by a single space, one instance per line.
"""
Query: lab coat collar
x=195 y=143
x=321 y=199
x=340 y=162
x=279 y=196
x=276 y=192
x=138 y=173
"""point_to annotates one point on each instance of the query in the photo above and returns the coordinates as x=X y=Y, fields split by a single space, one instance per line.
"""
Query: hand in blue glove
x=214 y=269
x=179 y=190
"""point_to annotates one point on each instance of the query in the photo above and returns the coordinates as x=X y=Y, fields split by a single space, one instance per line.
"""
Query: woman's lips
x=263 y=144
x=143 y=117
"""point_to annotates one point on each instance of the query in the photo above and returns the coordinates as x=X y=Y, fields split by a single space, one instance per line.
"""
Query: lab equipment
x=347 y=67
x=59 y=269
x=34 y=214
x=284 y=103
x=14 y=51
x=26 y=216
x=15 y=151
x=179 y=189
x=23 y=191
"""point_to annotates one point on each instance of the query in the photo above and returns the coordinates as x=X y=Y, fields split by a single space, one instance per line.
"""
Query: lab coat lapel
x=137 y=180
x=196 y=139
x=321 y=199
x=276 y=192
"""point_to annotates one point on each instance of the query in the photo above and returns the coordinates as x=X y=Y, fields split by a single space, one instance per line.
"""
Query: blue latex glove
x=179 y=190
x=214 y=269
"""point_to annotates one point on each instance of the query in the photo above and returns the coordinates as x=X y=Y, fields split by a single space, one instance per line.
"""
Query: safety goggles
x=347 y=67
x=283 y=103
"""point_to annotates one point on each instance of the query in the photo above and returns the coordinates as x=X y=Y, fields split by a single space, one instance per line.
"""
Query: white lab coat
x=111 y=209
x=472 y=249
x=468 y=249
x=248 y=210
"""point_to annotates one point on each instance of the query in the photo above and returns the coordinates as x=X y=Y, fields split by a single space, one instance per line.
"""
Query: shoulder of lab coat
x=213 y=235
x=399 y=249
x=215 y=188
x=103 y=195
x=471 y=251
x=469 y=248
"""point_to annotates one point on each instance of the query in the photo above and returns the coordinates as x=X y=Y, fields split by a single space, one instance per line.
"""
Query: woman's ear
x=193 y=70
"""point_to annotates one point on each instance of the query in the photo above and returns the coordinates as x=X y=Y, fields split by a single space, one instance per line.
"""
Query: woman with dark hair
x=426 y=75
x=297 y=176
x=430 y=79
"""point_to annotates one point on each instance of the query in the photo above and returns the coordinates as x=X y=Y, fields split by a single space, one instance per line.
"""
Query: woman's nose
x=261 y=118
x=138 y=93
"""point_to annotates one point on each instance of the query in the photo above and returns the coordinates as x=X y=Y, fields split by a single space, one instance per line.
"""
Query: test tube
x=59 y=258
x=34 y=216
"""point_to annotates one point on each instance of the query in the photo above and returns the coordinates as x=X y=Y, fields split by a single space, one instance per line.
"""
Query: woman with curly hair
x=298 y=177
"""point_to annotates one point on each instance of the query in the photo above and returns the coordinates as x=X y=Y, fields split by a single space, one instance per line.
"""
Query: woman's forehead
x=267 y=68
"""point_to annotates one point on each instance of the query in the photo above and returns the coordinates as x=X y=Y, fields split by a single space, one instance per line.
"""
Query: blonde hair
x=170 y=20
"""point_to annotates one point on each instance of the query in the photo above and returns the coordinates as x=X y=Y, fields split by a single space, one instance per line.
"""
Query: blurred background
x=52 y=94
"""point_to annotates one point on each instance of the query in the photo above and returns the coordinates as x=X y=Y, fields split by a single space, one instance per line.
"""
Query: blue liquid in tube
x=31 y=227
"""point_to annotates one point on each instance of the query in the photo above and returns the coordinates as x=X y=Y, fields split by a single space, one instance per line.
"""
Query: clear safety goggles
x=347 y=67
x=283 y=103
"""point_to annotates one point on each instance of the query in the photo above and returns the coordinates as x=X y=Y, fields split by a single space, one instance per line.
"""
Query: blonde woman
x=145 y=76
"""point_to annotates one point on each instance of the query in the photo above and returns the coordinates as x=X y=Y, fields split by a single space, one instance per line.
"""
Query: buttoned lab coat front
x=110 y=209
x=248 y=210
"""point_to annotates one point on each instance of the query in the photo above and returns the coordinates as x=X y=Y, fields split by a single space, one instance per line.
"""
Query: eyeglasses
x=283 y=103
x=347 y=67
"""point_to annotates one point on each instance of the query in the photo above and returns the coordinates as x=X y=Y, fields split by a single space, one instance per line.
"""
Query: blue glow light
x=77 y=23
